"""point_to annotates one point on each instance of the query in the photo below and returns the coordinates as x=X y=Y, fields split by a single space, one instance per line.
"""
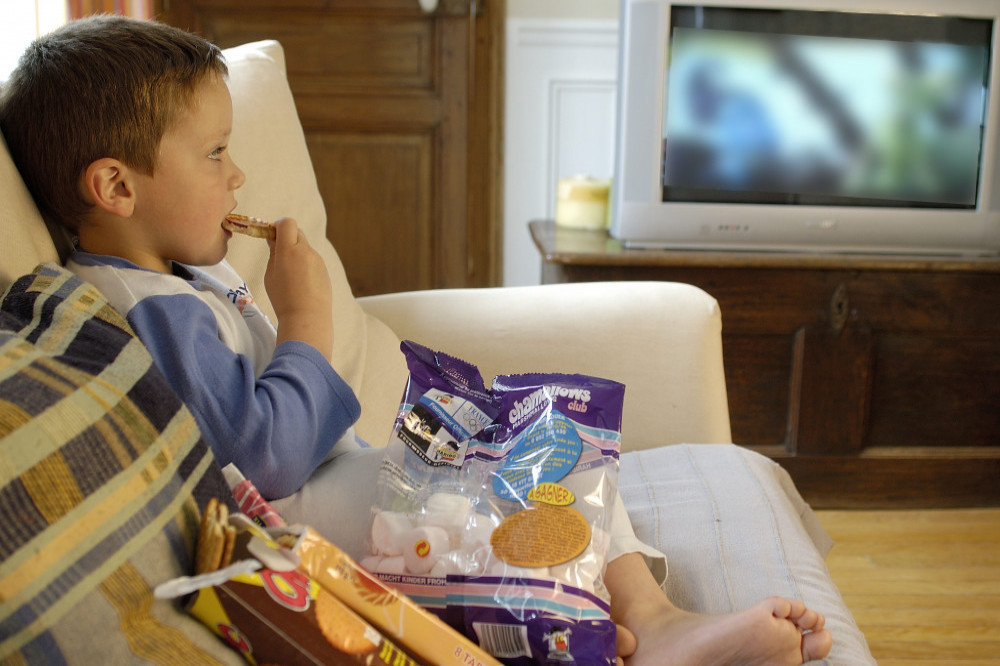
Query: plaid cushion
x=102 y=476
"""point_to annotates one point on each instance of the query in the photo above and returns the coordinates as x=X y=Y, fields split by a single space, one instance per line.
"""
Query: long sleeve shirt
x=275 y=411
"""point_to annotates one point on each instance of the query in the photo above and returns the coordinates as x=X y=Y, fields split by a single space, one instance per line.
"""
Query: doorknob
x=473 y=8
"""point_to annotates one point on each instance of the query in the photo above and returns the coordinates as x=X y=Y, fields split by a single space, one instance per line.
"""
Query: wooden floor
x=924 y=586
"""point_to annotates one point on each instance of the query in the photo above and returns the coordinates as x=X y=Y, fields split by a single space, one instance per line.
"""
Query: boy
x=119 y=128
x=141 y=175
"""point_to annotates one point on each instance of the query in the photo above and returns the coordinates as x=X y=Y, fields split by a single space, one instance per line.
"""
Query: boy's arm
x=276 y=427
x=298 y=285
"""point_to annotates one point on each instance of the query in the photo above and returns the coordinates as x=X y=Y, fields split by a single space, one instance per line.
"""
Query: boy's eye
x=217 y=153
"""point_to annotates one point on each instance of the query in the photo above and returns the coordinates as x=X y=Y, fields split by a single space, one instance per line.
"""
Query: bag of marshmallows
x=494 y=505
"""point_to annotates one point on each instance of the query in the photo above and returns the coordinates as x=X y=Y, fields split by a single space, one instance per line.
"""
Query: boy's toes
x=816 y=645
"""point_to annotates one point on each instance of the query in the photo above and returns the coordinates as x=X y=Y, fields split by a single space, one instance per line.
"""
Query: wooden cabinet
x=875 y=380
x=402 y=115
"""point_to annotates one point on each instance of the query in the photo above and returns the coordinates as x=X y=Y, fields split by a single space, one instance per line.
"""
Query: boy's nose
x=238 y=178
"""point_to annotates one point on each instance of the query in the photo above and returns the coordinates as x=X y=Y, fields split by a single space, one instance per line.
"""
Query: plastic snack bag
x=556 y=441
x=506 y=539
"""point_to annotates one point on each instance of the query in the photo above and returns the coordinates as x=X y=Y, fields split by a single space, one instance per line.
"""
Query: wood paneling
x=401 y=112
x=764 y=380
x=360 y=224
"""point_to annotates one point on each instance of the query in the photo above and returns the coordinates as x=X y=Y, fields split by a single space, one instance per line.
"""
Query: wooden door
x=401 y=111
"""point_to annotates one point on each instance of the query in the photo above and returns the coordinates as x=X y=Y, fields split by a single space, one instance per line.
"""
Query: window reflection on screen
x=824 y=116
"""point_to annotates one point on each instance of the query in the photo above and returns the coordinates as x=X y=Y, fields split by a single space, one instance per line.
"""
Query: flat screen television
x=809 y=125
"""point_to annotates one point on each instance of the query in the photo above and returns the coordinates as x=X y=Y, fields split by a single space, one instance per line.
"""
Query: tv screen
x=816 y=107
x=830 y=125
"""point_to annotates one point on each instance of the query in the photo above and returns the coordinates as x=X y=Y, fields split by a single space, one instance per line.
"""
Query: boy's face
x=192 y=188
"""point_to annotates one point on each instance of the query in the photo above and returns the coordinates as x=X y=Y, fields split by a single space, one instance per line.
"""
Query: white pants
x=337 y=502
x=730 y=521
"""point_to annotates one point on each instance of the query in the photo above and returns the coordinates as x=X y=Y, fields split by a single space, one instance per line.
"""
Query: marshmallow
x=370 y=562
x=392 y=565
x=442 y=568
x=448 y=510
x=457 y=562
x=478 y=532
x=423 y=547
x=388 y=530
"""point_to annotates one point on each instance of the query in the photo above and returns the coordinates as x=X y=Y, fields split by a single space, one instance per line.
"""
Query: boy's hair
x=104 y=86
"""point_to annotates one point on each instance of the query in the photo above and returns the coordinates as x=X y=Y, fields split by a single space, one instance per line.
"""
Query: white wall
x=21 y=21
x=559 y=120
x=574 y=9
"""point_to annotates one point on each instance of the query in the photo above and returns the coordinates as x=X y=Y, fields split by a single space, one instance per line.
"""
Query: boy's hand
x=298 y=284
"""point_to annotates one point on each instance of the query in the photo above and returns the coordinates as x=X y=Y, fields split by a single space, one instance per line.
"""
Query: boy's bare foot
x=776 y=631
x=652 y=631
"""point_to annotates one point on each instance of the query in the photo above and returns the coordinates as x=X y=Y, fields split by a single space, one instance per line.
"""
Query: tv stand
x=873 y=379
x=833 y=252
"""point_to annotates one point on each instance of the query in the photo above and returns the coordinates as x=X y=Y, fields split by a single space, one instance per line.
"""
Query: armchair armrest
x=662 y=340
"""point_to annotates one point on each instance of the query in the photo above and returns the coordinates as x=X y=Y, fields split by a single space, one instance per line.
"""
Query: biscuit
x=216 y=538
x=340 y=626
x=249 y=226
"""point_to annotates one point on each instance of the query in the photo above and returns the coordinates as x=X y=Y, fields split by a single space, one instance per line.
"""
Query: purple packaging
x=494 y=506
x=556 y=442
x=445 y=404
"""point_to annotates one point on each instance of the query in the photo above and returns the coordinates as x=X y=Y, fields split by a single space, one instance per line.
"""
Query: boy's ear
x=107 y=184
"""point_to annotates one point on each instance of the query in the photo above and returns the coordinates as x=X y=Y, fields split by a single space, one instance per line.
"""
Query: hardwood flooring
x=924 y=586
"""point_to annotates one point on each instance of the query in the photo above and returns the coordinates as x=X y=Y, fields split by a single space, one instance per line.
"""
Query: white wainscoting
x=559 y=121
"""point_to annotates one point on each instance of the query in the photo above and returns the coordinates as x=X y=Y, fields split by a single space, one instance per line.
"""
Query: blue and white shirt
x=276 y=412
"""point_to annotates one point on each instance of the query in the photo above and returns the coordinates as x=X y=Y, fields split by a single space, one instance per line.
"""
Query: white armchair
x=662 y=340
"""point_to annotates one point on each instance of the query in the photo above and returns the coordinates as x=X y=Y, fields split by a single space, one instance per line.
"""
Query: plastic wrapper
x=507 y=538
x=252 y=504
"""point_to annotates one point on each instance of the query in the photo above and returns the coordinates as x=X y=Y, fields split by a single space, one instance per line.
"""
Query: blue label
x=546 y=452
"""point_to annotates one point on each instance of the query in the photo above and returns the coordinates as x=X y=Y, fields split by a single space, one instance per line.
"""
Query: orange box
x=283 y=617
x=418 y=631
